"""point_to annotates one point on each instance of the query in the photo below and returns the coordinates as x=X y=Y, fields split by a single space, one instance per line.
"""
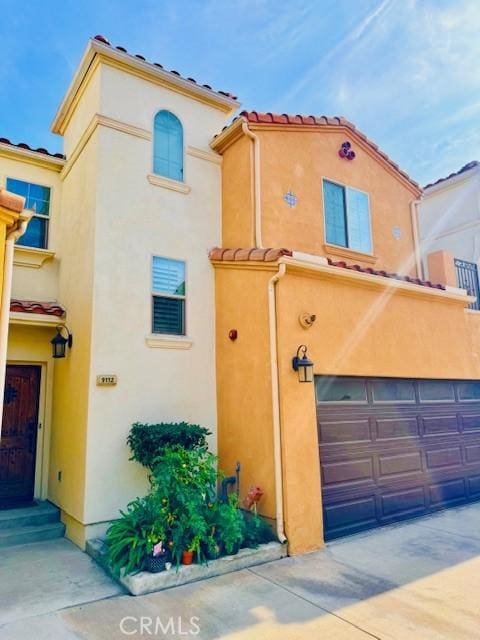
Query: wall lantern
x=59 y=343
x=303 y=365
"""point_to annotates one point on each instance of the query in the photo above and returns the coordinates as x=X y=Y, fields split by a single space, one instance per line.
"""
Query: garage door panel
x=445 y=493
x=401 y=503
x=351 y=515
x=397 y=428
x=435 y=425
x=348 y=471
x=345 y=432
x=448 y=457
x=471 y=423
x=400 y=463
x=383 y=461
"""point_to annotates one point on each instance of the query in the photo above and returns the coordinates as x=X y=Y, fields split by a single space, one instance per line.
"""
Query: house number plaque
x=106 y=380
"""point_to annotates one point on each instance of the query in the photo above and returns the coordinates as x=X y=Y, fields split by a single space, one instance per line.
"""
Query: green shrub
x=230 y=526
x=256 y=530
x=131 y=538
x=147 y=441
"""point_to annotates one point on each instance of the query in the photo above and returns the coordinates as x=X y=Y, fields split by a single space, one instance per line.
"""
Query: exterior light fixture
x=60 y=343
x=303 y=365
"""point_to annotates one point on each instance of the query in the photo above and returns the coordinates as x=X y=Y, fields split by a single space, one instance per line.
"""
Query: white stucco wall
x=134 y=221
x=449 y=217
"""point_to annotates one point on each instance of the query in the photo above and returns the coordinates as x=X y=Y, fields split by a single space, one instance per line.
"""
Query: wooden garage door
x=392 y=449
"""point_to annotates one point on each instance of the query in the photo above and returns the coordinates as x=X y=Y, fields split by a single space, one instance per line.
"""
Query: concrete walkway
x=419 y=580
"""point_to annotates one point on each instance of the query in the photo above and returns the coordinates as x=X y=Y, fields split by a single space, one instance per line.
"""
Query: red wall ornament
x=346 y=151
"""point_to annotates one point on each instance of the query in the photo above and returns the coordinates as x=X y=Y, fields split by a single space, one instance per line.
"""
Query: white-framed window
x=168 y=146
x=37 y=198
x=347 y=217
x=168 y=296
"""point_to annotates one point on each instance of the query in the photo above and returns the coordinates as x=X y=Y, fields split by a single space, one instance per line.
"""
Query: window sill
x=158 y=341
x=31 y=257
x=344 y=252
x=167 y=183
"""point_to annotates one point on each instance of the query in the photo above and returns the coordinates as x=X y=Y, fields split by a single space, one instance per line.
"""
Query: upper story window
x=168 y=146
x=168 y=296
x=347 y=217
x=38 y=199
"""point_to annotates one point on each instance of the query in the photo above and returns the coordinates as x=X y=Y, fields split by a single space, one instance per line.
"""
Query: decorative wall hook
x=307 y=319
x=346 y=151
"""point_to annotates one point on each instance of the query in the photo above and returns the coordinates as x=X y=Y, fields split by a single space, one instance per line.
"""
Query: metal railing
x=467 y=278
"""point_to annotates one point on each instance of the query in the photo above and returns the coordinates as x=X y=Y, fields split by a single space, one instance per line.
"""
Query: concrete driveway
x=415 y=580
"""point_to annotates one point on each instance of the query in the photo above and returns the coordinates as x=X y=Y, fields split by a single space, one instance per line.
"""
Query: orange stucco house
x=319 y=249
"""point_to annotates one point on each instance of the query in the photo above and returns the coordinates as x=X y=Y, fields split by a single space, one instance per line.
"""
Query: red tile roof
x=385 y=274
x=24 y=145
x=272 y=255
x=466 y=167
x=268 y=118
x=11 y=201
x=244 y=255
x=104 y=40
x=33 y=306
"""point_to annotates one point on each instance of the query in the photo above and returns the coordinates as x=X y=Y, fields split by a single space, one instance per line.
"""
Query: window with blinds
x=347 y=217
x=37 y=198
x=168 y=146
x=168 y=296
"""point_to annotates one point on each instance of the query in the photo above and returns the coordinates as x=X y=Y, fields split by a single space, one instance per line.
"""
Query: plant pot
x=213 y=553
x=155 y=564
x=187 y=557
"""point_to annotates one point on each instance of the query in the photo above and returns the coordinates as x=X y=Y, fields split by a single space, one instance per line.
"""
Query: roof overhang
x=47 y=161
x=98 y=52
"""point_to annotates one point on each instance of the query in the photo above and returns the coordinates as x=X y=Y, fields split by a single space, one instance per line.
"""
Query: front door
x=19 y=434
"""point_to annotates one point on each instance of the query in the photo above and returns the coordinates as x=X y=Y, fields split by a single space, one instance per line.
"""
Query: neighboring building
x=449 y=221
x=390 y=428
x=117 y=255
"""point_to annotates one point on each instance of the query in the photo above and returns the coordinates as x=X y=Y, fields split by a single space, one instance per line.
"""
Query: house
x=115 y=260
x=449 y=222
x=320 y=259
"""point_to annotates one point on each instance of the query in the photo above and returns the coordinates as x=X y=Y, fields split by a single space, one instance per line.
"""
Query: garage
x=392 y=449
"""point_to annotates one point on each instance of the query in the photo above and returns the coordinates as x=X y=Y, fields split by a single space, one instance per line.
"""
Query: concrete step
x=27 y=534
x=41 y=513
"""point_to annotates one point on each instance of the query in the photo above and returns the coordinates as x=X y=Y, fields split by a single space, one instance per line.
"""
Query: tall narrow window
x=168 y=146
x=347 y=217
x=168 y=296
x=38 y=199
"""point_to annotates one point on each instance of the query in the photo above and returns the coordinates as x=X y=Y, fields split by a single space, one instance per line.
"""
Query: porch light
x=303 y=365
x=59 y=343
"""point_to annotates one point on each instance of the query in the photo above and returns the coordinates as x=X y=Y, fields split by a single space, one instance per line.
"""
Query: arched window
x=168 y=146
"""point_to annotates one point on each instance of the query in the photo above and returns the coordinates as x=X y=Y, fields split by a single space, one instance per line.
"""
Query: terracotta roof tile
x=104 y=40
x=244 y=255
x=33 y=306
x=385 y=274
x=11 y=201
x=466 y=167
x=256 y=117
x=24 y=145
x=218 y=254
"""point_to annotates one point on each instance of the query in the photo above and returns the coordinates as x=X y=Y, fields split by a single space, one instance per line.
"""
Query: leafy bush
x=148 y=441
x=230 y=525
x=131 y=538
x=256 y=530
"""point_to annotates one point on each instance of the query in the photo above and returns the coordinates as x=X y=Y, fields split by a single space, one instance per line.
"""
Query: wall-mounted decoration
x=346 y=151
x=397 y=233
x=291 y=199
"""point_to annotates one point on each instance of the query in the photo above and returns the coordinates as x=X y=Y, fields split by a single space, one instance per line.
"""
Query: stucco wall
x=449 y=219
x=361 y=329
x=297 y=161
x=29 y=283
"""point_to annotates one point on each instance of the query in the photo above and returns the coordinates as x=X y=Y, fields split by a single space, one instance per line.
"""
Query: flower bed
x=182 y=520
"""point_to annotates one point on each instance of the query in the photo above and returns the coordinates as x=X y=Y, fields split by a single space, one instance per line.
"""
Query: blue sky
x=406 y=72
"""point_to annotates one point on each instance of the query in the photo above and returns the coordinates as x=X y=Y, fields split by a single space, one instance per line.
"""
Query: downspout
x=12 y=237
x=277 y=442
x=257 y=203
x=416 y=238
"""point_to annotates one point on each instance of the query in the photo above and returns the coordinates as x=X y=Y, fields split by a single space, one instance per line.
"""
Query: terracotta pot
x=187 y=557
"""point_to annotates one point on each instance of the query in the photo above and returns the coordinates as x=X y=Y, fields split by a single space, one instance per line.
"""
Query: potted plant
x=157 y=558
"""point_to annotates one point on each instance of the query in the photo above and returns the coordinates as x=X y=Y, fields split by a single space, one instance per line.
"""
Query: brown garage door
x=392 y=449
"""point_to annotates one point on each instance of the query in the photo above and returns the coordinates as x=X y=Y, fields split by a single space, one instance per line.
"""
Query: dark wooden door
x=18 y=441
x=392 y=449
